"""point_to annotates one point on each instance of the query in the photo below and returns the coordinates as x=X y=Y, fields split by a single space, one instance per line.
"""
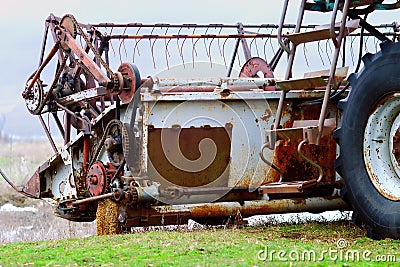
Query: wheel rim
x=382 y=147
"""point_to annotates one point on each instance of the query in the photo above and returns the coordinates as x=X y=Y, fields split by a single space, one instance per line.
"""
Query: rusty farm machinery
x=150 y=150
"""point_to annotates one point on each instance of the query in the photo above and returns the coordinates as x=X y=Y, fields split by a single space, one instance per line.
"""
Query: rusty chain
x=53 y=85
x=90 y=45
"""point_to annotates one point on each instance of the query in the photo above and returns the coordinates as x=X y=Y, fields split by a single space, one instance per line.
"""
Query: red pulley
x=96 y=179
x=131 y=78
x=254 y=66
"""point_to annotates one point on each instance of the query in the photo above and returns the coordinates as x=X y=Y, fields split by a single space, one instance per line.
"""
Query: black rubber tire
x=380 y=76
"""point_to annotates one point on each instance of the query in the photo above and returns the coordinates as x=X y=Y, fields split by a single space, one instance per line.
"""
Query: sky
x=22 y=26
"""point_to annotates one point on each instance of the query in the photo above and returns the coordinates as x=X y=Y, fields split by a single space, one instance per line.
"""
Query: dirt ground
x=22 y=219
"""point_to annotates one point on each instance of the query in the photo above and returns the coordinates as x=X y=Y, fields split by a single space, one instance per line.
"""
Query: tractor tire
x=369 y=140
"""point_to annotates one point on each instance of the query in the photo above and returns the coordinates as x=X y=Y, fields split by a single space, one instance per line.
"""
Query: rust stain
x=32 y=187
x=294 y=168
x=286 y=155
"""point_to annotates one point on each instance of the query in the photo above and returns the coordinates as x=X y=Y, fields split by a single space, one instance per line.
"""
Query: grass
x=211 y=247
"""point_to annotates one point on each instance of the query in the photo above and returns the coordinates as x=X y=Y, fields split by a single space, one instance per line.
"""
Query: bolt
x=94 y=180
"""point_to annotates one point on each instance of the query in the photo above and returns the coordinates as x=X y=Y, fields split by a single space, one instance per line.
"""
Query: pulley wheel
x=96 y=179
x=35 y=97
x=68 y=24
x=254 y=66
x=131 y=77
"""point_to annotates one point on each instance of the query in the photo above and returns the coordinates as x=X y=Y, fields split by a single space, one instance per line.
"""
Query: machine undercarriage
x=161 y=150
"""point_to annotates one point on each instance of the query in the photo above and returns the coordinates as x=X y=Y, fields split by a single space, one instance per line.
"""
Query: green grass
x=212 y=247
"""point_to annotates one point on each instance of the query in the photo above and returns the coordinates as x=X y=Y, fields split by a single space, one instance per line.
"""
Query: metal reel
x=131 y=77
x=35 y=97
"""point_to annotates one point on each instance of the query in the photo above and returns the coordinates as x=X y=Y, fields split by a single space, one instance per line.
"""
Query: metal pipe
x=9 y=181
x=280 y=28
x=315 y=165
x=223 y=36
x=246 y=49
x=41 y=67
x=225 y=83
x=257 y=207
x=274 y=61
x=293 y=50
x=46 y=30
x=193 y=36
x=332 y=72
x=19 y=190
x=86 y=152
x=273 y=166
x=67 y=125
x=48 y=134
x=165 y=25
x=92 y=199
x=289 y=66
x=332 y=32
x=372 y=29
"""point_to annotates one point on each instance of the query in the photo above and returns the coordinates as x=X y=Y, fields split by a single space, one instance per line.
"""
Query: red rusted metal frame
x=41 y=67
x=66 y=38
x=77 y=69
x=194 y=36
x=167 y=25
x=86 y=152
x=52 y=26
x=85 y=95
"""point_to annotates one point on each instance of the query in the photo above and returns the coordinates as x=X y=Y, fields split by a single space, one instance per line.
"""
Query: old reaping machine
x=141 y=149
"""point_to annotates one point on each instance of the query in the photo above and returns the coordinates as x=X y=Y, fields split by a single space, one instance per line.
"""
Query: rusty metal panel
x=249 y=120
x=178 y=156
x=302 y=83
x=251 y=117
x=286 y=156
x=32 y=187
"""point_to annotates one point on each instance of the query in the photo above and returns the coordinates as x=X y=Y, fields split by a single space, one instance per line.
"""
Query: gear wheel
x=96 y=179
x=68 y=24
x=35 y=97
